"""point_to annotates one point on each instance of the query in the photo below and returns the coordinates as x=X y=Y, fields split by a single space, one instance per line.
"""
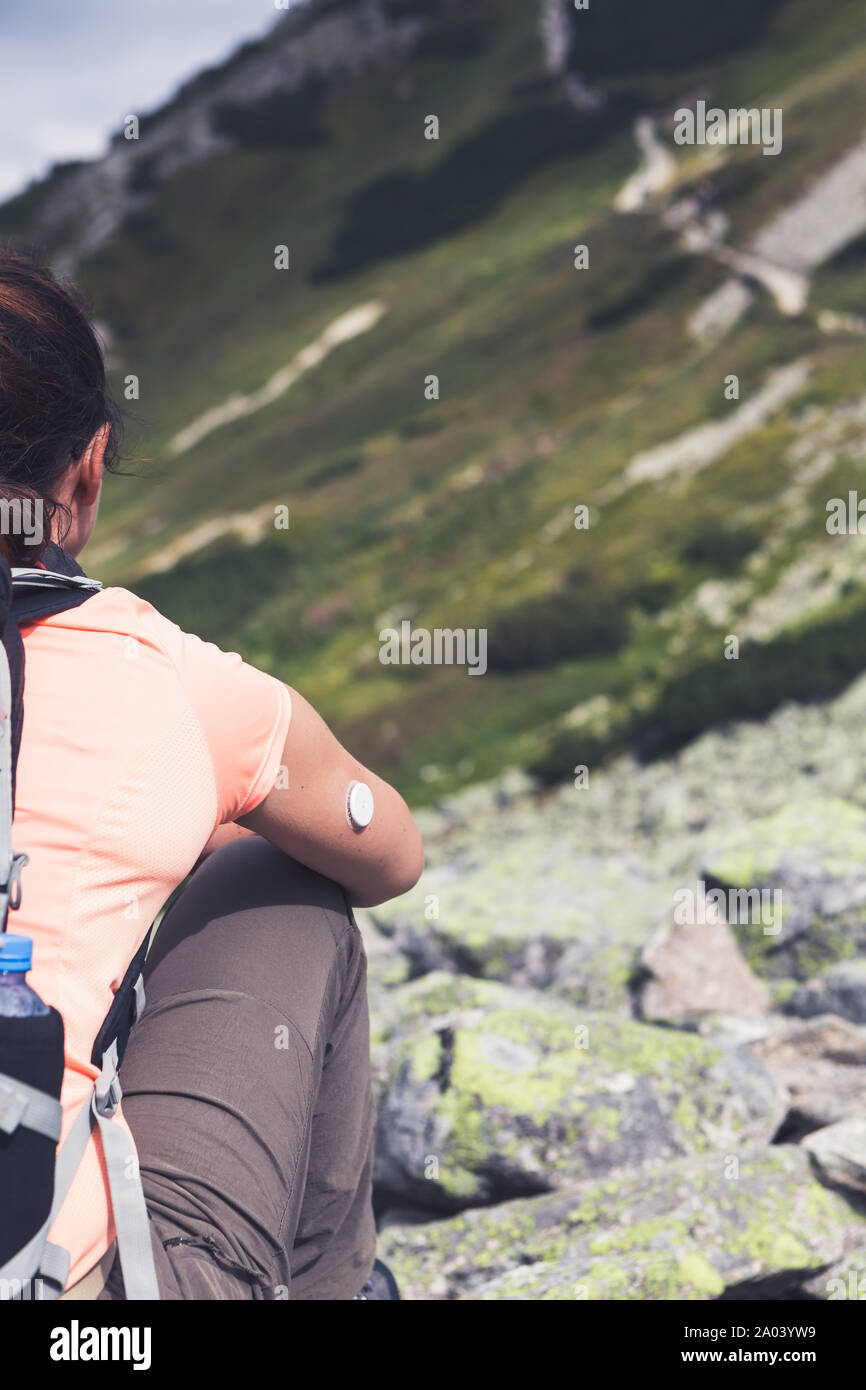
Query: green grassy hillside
x=458 y=511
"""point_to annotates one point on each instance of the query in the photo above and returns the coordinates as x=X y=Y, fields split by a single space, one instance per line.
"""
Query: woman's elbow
x=401 y=872
x=413 y=865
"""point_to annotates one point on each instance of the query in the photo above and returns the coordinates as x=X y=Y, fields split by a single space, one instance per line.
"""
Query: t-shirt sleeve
x=244 y=713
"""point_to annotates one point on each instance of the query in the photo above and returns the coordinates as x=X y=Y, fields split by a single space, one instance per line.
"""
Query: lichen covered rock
x=487 y=1092
x=531 y=911
x=812 y=853
x=538 y=1169
x=682 y=1230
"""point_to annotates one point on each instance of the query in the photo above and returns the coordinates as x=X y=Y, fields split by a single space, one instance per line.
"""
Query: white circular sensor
x=359 y=805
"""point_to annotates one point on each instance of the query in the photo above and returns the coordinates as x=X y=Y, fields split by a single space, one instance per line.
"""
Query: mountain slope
x=558 y=387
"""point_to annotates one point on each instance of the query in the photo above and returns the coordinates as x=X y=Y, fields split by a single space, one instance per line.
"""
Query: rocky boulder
x=840 y=990
x=687 y=1229
x=822 y=1064
x=488 y=1092
x=839 y=1153
x=531 y=911
x=698 y=968
x=812 y=853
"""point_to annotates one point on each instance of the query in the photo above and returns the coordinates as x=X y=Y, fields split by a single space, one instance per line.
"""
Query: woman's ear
x=89 y=481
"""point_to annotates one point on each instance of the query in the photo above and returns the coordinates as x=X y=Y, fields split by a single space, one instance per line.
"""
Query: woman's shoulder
x=120 y=613
x=202 y=667
x=243 y=713
x=119 y=610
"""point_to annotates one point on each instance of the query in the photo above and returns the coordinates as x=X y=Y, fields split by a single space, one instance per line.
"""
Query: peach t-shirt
x=138 y=741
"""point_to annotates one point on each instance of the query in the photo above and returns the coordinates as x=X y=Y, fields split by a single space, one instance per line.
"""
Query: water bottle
x=17 y=999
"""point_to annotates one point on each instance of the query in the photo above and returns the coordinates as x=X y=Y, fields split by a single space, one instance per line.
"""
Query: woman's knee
x=247 y=881
x=251 y=873
x=255 y=1024
x=252 y=920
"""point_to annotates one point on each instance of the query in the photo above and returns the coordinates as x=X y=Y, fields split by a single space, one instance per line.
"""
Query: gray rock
x=839 y=1153
x=840 y=990
x=822 y=1064
x=488 y=1092
x=562 y=893
x=527 y=910
x=687 y=1229
x=812 y=853
x=844 y=1279
x=698 y=969
x=736 y=1030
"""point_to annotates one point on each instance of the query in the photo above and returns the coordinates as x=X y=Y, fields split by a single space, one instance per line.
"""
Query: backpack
x=33 y=1172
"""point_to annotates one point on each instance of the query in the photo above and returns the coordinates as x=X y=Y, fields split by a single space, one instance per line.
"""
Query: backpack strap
x=125 y=1009
x=11 y=863
x=41 y=593
x=36 y=593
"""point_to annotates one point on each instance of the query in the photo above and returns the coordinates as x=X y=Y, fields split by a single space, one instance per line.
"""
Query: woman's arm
x=307 y=817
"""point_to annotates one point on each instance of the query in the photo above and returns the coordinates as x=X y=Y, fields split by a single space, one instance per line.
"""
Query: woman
x=147 y=752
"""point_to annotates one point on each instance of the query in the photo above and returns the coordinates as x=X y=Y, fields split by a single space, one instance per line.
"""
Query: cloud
x=71 y=72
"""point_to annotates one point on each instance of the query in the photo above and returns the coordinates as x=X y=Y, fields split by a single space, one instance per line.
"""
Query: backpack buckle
x=10 y=892
x=112 y=1097
x=13 y=1106
x=13 y=887
x=107 y=1091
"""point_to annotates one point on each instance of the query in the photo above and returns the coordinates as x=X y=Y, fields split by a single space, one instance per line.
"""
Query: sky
x=73 y=69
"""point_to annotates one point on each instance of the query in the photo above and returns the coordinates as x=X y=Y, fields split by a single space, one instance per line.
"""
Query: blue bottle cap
x=16 y=953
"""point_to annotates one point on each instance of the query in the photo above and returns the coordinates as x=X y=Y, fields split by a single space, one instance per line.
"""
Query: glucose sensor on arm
x=359 y=805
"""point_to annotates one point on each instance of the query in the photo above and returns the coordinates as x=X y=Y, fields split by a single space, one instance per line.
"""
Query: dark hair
x=53 y=392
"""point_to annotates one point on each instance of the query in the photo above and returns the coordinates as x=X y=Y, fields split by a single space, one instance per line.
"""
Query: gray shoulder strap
x=6 y=856
x=11 y=863
x=21 y=1104
x=29 y=579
